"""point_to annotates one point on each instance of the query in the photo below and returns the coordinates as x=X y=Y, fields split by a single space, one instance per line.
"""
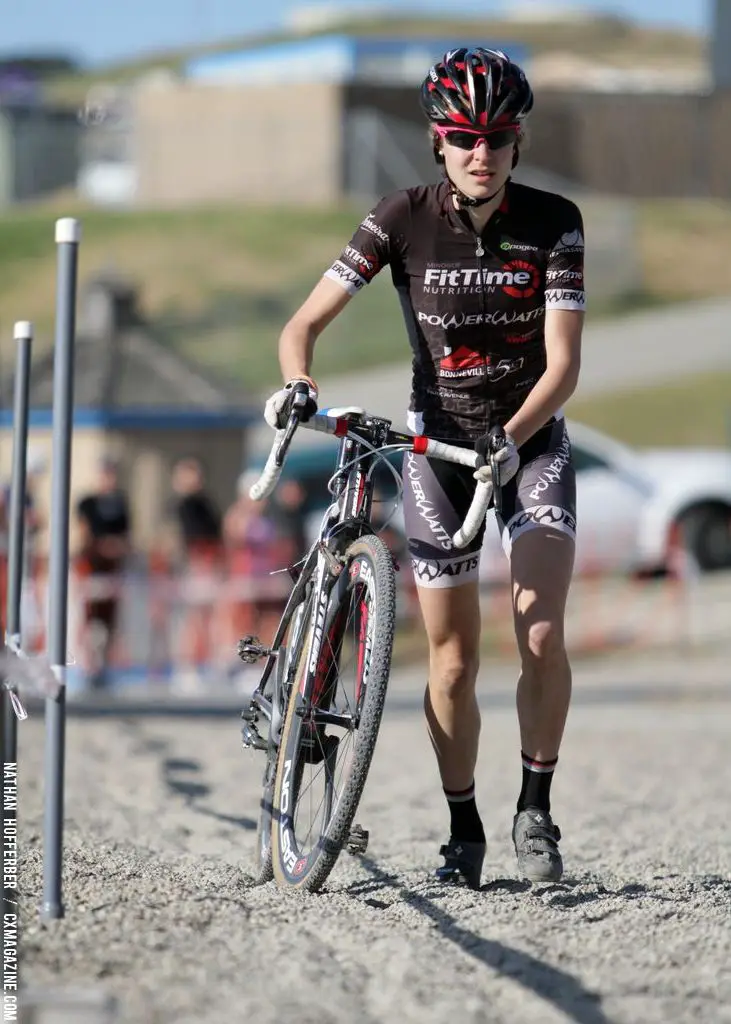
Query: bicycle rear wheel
x=332 y=722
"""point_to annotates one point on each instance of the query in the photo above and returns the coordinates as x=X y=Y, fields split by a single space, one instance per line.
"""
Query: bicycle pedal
x=250 y=649
x=357 y=842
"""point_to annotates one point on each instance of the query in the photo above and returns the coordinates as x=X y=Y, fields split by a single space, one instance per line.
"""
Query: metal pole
x=23 y=334
x=68 y=234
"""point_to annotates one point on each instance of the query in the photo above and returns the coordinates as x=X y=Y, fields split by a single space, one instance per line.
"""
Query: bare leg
x=452 y=621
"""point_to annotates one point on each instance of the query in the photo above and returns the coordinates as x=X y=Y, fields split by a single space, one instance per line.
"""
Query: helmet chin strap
x=464 y=200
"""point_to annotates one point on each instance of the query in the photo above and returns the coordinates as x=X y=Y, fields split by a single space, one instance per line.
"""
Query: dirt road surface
x=162 y=915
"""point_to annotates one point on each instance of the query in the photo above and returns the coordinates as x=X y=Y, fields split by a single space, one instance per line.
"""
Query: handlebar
x=419 y=444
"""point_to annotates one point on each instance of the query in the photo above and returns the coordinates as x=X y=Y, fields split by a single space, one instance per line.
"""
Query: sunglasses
x=467 y=138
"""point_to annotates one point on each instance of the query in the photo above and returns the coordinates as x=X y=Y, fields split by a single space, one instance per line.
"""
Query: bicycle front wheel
x=290 y=650
x=332 y=721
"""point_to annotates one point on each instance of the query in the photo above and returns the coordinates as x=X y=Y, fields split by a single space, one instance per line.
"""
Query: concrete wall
x=199 y=143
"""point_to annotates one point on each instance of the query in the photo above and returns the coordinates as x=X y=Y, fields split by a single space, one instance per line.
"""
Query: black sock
x=536 y=788
x=466 y=823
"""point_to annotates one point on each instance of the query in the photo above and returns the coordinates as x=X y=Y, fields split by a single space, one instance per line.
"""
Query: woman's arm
x=297 y=341
x=558 y=381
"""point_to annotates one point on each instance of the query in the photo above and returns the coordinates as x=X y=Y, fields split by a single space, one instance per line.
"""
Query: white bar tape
x=326 y=424
x=483 y=491
x=22 y=330
x=475 y=515
x=452 y=453
x=270 y=474
x=68 y=229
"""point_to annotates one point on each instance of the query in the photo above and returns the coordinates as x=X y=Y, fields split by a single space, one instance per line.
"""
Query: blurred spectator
x=104 y=522
x=287 y=513
x=254 y=551
x=32 y=616
x=198 y=518
x=201 y=542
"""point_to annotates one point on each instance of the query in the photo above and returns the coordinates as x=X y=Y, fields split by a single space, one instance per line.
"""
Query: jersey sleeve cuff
x=346 y=277
x=565 y=298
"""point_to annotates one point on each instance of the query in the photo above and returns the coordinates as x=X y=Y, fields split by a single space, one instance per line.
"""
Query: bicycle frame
x=363 y=438
x=347 y=518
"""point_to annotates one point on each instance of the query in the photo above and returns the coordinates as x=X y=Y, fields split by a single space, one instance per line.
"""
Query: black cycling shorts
x=437 y=496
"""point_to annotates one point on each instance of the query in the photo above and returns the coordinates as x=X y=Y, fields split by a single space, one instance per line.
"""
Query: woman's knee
x=541 y=642
x=453 y=670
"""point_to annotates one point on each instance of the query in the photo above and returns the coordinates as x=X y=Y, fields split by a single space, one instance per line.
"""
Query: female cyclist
x=490 y=277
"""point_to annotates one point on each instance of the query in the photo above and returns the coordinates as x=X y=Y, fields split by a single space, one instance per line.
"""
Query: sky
x=100 y=31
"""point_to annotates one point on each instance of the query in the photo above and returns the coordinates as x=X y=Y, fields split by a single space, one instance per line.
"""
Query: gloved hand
x=278 y=408
x=505 y=456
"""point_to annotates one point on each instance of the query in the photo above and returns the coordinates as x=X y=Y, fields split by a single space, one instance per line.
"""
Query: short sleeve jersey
x=474 y=304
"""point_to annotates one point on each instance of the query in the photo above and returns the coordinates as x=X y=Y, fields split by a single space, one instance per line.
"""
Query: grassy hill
x=609 y=39
x=219 y=282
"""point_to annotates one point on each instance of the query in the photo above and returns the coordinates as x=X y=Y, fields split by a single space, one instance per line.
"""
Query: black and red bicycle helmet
x=477 y=88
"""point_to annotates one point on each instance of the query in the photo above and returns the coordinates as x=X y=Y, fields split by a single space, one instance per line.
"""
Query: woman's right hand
x=278 y=408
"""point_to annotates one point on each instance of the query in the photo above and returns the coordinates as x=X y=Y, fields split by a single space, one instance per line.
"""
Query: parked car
x=637 y=508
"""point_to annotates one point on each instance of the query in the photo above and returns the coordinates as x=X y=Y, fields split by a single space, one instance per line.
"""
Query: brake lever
x=299 y=401
x=498 y=440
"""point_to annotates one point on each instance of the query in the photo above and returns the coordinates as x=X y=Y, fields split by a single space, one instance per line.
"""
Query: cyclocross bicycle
x=318 y=706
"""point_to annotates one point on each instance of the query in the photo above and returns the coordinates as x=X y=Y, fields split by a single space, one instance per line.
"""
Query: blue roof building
x=338 y=58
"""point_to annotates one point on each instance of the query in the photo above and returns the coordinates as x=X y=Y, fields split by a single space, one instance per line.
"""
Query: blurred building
x=140 y=402
x=39 y=146
x=720 y=44
x=348 y=123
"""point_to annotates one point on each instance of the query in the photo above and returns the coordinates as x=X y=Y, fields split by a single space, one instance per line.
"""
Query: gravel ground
x=161 y=913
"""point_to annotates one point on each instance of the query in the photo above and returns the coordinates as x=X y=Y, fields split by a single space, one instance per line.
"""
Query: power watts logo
x=500 y=318
x=424 y=507
x=553 y=472
x=345 y=276
x=570 y=241
x=440 y=573
x=566 y=298
x=542 y=515
x=517 y=278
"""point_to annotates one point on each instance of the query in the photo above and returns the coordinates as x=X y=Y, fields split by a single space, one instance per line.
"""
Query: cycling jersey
x=474 y=304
